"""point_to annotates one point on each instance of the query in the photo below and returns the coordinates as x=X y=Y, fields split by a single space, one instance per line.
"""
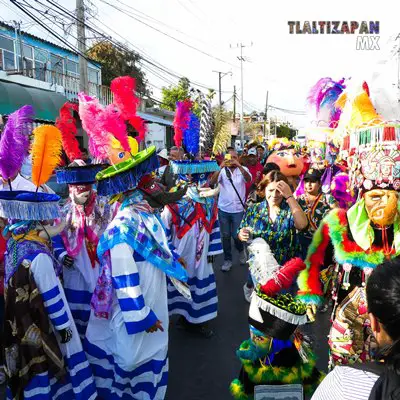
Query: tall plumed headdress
x=189 y=135
x=14 y=142
x=322 y=99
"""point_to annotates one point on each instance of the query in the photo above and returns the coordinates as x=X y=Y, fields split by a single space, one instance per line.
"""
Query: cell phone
x=228 y=157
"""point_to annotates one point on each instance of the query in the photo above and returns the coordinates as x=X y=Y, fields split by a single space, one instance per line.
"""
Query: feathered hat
x=192 y=134
x=77 y=172
x=46 y=153
x=276 y=314
x=372 y=145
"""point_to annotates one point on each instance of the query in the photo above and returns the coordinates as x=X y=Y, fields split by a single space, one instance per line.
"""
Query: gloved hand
x=68 y=262
x=66 y=335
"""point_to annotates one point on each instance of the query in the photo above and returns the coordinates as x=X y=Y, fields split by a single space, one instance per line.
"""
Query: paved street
x=202 y=369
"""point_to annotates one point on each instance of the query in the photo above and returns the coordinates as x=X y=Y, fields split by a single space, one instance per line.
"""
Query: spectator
x=261 y=153
x=231 y=204
x=270 y=166
x=163 y=160
x=168 y=179
x=374 y=381
x=315 y=204
x=255 y=168
x=275 y=220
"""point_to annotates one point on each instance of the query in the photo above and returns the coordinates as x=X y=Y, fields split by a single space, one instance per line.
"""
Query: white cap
x=163 y=154
x=252 y=152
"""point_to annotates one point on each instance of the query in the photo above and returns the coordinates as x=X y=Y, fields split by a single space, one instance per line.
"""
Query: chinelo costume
x=86 y=216
x=127 y=349
x=276 y=353
x=44 y=358
x=192 y=225
x=363 y=236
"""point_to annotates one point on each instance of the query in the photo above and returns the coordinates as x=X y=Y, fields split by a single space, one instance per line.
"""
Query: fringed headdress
x=34 y=206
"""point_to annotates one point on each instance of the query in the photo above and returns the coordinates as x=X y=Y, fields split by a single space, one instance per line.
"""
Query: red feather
x=284 y=277
x=366 y=87
x=66 y=123
x=125 y=100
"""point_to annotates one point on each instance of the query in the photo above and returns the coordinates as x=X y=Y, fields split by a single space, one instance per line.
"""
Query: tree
x=116 y=61
x=180 y=92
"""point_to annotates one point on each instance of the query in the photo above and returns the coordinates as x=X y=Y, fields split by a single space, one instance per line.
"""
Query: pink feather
x=124 y=88
x=90 y=112
x=181 y=120
x=111 y=121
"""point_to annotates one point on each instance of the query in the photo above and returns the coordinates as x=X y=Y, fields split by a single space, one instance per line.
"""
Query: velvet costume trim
x=334 y=227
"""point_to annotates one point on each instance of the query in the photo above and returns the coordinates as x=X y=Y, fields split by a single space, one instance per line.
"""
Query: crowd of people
x=89 y=284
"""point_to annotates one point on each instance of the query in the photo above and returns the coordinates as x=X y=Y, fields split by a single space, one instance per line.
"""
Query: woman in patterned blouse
x=275 y=220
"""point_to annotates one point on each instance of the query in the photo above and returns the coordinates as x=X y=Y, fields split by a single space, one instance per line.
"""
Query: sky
x=284 y=65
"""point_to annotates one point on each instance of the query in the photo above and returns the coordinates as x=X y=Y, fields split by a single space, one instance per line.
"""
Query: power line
x=129 y=14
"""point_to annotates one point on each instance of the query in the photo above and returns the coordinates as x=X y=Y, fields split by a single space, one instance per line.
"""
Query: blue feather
x=191 y=135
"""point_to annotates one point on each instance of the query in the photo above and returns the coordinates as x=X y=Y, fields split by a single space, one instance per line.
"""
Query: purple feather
x=14 y=142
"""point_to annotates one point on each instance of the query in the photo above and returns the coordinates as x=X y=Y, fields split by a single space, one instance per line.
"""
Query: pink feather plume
x=124 y=88
x=181 y=120
x=90 y=112
x=111 y=121
x=66 y=123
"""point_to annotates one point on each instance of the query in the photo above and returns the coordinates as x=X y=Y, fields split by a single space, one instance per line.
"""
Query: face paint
x=381 y=206
x=261 y=341
x=289 y=161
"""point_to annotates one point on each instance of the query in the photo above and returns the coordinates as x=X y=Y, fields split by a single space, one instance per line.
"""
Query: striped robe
x=128 y=362
x=79 y=382
x=204 y=303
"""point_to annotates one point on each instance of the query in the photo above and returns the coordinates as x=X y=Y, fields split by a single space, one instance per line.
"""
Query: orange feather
x=46 y=153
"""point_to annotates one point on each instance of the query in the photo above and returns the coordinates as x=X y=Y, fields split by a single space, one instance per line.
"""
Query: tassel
x=346 y=276
x=46 y=153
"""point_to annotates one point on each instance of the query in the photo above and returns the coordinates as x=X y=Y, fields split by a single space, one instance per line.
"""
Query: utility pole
x=20 y=63
x=241 y=59
x=265 y=116
x=80 y=27
x=234 y=103
x=220 y=76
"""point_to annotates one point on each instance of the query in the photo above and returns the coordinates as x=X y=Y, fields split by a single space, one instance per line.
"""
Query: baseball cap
x=163 y=154
x=252 y=152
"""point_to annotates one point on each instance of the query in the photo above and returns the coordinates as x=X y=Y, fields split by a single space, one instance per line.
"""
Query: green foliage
x=117 y=62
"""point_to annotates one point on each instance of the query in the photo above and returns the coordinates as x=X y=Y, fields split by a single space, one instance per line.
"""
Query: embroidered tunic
x=78 y=383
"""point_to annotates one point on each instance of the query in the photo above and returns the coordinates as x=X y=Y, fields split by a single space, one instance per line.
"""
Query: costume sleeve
x=310 y=287
x=126 y=281
x=59 y=248
x=49 y=286
x=215 y=245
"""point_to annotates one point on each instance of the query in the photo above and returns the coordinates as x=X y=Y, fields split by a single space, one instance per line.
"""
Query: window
x=57 y=64
x=41 y=55
x=6 y=44
x=7 y=59
x=40 y=71
x=93 y=76
x=72 y=68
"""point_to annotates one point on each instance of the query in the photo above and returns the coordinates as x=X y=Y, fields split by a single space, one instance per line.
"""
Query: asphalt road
x=202 y=369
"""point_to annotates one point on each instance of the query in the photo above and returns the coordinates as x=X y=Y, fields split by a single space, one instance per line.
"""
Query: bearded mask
x=156 y=194
x=80 y=194
x=381 y=206
x=289 y=161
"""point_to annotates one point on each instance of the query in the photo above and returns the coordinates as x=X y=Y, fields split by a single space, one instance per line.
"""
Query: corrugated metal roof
x=155 y=119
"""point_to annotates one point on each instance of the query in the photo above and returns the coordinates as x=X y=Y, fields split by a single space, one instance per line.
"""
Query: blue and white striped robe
x=204 y=304
x=79 y=383
x=79 y=283
x=128 y=362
